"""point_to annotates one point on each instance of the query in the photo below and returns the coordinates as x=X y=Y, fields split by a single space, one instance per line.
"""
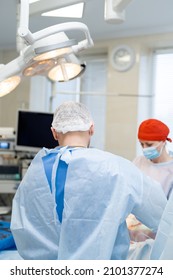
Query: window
x=162 y=107
x=89 y=89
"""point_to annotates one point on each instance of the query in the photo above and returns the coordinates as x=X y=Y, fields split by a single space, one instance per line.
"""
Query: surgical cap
x=71 y=116
x=153 y=130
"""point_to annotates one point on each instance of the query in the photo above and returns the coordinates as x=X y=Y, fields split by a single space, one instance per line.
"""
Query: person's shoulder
x=107 y=156
x=139 y=159
x=41 y=153
x=116 y=165
x=102 y=153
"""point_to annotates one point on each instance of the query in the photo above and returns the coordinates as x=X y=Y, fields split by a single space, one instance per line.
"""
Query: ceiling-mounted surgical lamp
x=115 y=10
x=65 y=68
x=45 y=52
x=48 y=60
x=58 y=65
x=9 y=84
x=10 y=76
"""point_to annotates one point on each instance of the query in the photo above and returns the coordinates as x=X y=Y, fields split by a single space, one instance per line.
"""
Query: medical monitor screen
x=33 y=131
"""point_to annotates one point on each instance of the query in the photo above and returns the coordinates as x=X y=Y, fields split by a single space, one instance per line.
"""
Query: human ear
x=91 y=130
x=55 y=134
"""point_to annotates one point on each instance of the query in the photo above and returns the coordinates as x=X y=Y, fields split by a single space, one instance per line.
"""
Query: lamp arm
x=25 y=34
x=82 y=45
x=24 y=13
x=30 y=38
x=23 y=30
x=33 y=37
x=12 y=68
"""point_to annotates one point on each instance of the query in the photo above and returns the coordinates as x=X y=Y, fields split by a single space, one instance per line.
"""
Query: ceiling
x=142 y=17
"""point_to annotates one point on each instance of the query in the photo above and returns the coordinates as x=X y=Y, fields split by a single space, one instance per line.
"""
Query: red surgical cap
x=153 y=130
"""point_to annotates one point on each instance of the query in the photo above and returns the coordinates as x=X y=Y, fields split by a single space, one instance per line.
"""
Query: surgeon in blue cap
x=74 y=200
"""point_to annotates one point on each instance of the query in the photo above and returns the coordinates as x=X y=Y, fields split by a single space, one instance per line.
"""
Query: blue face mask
x=152 y=152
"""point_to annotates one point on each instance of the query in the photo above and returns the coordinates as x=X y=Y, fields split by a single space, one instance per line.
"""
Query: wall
x=122 y=111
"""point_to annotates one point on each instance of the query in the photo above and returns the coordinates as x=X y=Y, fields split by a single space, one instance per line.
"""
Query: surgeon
x=156 y=162
x=74 y=200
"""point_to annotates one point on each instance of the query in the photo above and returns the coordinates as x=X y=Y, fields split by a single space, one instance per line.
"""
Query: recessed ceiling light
x=72 y=11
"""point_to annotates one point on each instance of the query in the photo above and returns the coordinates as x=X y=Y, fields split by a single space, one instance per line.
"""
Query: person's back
x=73 y=201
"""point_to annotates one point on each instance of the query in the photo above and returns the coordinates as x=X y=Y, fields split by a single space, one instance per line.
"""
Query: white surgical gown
x=161 y=172
x=100 y=191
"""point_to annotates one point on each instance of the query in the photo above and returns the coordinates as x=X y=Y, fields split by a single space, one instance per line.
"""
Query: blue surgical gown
x=84 y=218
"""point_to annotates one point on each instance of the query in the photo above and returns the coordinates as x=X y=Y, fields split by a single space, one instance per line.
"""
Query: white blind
x=89 y=89
x=163 y=88
x=93 y=84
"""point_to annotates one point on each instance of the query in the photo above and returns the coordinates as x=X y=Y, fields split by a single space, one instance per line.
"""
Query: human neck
x=164 y=157
x=74 y=139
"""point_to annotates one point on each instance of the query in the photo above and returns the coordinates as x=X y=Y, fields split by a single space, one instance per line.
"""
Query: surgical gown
x=161 y=172
x=82 y=213
x=161 y=247
x=163 y=244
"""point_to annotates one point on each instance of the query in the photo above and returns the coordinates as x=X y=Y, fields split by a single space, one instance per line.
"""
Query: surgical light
x=52 y=54
x=45 y=50
x=9 y=84
x=38 y=68
x=67 y=68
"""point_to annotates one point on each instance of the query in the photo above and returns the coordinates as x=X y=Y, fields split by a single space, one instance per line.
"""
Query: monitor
x=33 y=131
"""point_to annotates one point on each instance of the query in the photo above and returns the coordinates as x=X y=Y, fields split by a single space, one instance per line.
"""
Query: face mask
x=152 y=152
